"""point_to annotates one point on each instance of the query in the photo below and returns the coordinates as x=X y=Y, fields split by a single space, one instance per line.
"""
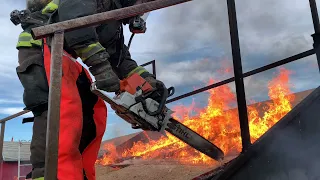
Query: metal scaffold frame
x=57 y=30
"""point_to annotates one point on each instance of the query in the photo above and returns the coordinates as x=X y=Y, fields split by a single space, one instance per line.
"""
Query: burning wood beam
x=95 y=19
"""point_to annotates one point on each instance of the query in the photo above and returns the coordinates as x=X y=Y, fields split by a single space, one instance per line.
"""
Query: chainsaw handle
x=161 y=104
x=171 y=91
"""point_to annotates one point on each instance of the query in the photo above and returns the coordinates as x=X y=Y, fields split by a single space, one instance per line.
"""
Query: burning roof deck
x=213 y=122
x=288 y=151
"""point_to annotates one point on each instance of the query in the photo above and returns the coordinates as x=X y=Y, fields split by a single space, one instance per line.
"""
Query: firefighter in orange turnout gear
x=83 y=115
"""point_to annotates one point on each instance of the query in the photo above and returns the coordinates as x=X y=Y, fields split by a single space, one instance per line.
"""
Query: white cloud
x=9 y=36
x=10 y=101
x=190 y=72
x=10 y=87
x=267 y=27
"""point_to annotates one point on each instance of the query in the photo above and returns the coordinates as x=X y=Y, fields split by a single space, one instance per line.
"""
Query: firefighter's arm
x=28 y=48
x=31 y=72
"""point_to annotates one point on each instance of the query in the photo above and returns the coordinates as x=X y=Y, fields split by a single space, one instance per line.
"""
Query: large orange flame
x=110 y=157
x=218 y=122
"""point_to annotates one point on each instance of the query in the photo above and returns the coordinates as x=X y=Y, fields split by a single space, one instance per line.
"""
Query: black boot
x=38 y=145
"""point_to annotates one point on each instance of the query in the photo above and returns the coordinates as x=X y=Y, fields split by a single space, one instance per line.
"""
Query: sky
x=191 y=44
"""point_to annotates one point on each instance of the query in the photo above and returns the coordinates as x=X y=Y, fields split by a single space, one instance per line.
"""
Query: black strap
x=29 y=175
x=27 y=120
x=121 y=55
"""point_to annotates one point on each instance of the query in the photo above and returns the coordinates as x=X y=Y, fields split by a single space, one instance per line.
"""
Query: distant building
x=9 y=168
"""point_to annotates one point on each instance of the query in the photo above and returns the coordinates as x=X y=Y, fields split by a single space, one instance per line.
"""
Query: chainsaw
x=134 y=104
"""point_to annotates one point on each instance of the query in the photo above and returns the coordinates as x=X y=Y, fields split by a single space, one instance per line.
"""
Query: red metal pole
x=3 y=126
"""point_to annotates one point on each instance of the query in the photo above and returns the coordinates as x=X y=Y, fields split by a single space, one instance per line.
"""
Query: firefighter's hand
x=35 y=19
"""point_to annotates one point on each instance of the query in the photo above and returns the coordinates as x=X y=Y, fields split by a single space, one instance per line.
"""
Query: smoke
x=272 y=26
x=192 y=39
x=115 y=129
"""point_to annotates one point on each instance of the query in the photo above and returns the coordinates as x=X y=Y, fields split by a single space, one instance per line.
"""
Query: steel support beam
x=147 y=63
x=316 y=25
x=238 y=74
x=280 y=63
x=52 y=138
x=315 y=16
x=96 y=19
x=153 y=63
x=154 y=71
x=3 y=127
x=14 y=116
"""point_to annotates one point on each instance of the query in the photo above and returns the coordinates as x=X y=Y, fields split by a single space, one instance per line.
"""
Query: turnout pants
x=82 y=125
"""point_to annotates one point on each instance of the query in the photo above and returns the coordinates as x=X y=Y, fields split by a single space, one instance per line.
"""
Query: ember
x=215 y=122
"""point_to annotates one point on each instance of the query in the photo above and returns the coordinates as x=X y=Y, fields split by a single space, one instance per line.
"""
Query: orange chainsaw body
x=133 y=82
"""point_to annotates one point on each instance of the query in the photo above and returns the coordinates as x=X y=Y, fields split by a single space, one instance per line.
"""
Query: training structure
x=57 y=31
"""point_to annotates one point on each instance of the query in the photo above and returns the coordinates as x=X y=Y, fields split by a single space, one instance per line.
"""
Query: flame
x=281 y=98
x=217 y=122
x=110 y=157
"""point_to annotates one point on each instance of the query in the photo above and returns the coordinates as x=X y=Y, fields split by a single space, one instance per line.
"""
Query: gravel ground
x=151 y=170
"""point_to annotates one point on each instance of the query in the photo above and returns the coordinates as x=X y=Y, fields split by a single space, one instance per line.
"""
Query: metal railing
x=57 y=30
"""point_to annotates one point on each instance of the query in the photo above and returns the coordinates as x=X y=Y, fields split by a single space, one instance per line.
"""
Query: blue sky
x=190 y=43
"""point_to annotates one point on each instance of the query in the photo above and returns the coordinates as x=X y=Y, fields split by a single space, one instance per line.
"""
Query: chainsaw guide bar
x=133 y=112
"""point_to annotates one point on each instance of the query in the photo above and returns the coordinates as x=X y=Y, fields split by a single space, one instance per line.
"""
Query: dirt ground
x=151 y=170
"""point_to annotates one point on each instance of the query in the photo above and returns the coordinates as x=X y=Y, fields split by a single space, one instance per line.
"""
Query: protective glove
x=27 y=19
x=101 y=69
x=159 y=86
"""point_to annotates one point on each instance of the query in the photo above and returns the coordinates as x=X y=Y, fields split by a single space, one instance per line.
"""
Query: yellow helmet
x=36 y=5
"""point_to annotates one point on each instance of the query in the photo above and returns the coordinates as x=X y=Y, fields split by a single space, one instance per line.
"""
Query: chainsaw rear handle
x=171 y=91
x=164 y=96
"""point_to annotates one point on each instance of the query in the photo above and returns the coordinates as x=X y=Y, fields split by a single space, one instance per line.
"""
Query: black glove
x=159 y=87
x=27 y=19
x=100 y=67
x=36 y=19
x=136 y=24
